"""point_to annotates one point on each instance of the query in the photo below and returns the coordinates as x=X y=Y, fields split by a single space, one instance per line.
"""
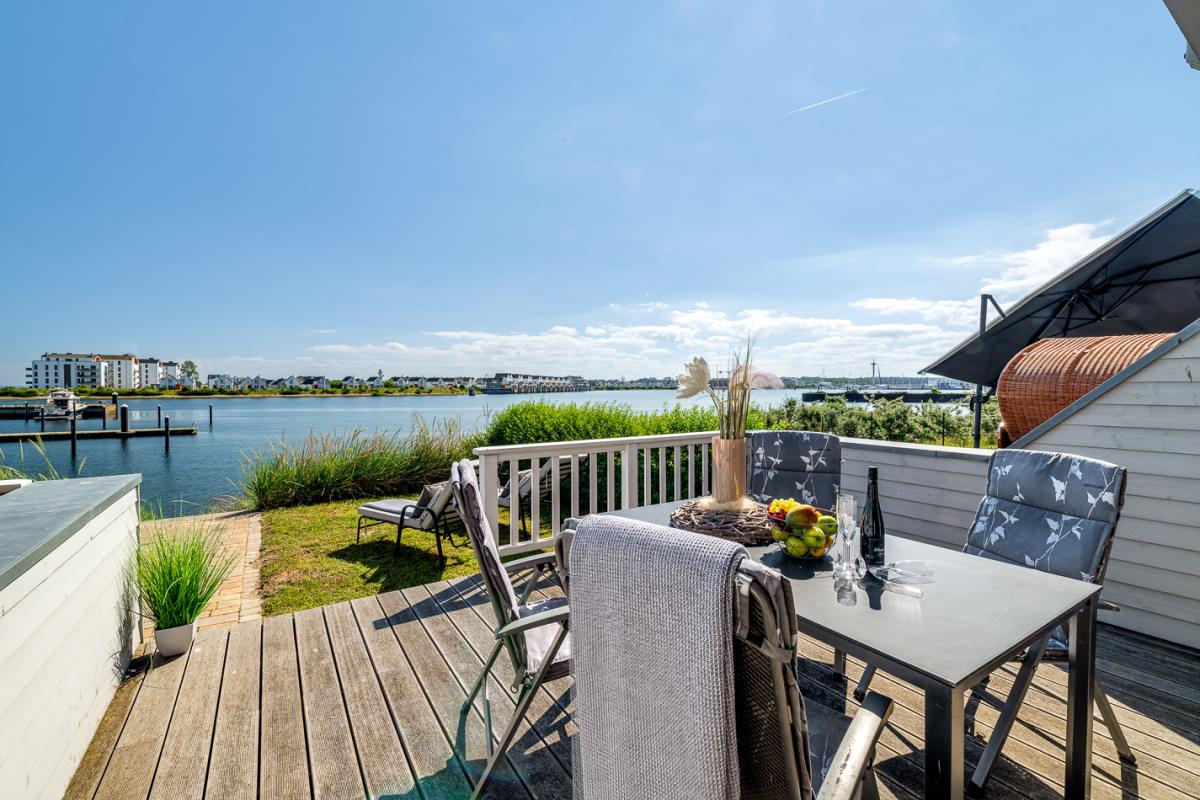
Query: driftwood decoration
x=749 y=525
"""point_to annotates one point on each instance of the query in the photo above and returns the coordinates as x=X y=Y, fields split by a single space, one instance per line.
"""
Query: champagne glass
x=847 y=515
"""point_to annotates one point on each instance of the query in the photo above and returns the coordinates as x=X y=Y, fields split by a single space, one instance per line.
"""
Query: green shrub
x=178 y=572
x=538 y=421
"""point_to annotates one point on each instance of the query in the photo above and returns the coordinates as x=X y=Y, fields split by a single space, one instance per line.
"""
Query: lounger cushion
x=394 y=511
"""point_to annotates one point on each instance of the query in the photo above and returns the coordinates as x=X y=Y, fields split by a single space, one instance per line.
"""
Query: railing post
x=535 y=498
x=514 y=500
x=555 y=480
x=629 y=477
x=574 y=485
x=489 y=487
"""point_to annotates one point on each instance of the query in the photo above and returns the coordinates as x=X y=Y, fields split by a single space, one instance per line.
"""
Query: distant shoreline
x=439 y=392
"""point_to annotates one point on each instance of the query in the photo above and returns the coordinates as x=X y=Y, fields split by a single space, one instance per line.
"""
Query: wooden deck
x=361 y=699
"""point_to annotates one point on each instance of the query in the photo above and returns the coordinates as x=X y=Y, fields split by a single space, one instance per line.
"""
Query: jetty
x=868 y=395
x=32 y=410
x=116 y=433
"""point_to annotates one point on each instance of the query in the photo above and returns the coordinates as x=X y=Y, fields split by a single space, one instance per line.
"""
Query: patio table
x=974 y=616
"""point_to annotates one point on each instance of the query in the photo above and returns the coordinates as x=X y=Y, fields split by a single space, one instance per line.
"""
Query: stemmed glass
x=847 y=516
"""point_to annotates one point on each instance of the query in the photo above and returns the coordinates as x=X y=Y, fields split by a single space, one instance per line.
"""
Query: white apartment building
x=97 y=370
x=149 y=372
x=121 y=371
x=66 y=371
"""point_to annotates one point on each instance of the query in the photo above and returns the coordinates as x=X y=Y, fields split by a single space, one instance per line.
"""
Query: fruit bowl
x=803 y=531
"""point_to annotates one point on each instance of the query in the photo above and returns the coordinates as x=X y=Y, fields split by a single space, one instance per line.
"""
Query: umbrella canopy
x=1187 y=16
x=1147 y=280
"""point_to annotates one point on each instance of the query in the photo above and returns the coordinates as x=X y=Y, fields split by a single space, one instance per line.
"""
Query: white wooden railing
x=929 y=492
x=590 y=476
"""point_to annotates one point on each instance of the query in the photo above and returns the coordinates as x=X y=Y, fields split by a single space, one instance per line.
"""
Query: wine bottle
x=871 y=533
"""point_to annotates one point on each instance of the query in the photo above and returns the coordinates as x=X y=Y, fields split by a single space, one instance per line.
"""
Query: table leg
x=944 y=742
x=1080 y=682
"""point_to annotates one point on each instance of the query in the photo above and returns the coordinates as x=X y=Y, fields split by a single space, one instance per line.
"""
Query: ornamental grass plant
x=178 y=571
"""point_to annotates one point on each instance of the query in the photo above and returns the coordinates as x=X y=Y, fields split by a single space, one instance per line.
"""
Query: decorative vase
x=729 y=470
x=174 y=641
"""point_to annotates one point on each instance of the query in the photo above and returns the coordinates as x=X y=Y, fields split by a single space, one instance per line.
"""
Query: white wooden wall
x=928 y=493
x=1150 y=424
x=65 y=638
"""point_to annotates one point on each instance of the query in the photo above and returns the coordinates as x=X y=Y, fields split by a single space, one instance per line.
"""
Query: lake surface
x=202 y=468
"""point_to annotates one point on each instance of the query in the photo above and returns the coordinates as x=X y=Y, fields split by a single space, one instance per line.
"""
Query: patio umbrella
x=1146 y=280
x=1187 y=17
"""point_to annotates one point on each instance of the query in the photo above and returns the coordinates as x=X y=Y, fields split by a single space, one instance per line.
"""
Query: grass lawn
x=309 y=557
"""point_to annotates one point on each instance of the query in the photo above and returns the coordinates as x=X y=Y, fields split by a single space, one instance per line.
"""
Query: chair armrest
x=559 y=615
x=857 y=750
x=1107 y=605
x=534 y=560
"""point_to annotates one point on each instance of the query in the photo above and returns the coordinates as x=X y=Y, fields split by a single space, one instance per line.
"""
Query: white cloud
x=1018 y=272
x=325 y=331
x=1025 y=270
x=389 y=347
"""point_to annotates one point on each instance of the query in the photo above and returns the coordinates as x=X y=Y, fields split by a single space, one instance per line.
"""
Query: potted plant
x=178 y=572
x=733 y=409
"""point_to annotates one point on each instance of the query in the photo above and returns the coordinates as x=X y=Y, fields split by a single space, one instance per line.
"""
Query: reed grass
x=325 y=467
x=359 y=464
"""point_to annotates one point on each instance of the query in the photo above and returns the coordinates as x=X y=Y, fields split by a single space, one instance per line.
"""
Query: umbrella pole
x=984 y=299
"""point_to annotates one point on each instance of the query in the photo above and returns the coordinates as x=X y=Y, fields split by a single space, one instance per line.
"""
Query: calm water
x=205 y=467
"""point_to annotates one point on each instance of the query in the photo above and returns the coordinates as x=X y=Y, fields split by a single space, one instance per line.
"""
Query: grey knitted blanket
x=652 y=639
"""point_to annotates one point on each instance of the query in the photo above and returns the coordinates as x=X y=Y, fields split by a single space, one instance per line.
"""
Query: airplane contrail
x=839 y=97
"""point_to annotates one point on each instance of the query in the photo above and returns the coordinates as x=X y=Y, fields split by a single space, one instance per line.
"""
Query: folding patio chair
x=1057 y=513
x=800 y=464
x=534 y=635
x=750 y=718
x=428 y=512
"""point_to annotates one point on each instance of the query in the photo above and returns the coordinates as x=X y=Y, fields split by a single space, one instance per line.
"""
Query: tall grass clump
x=178 y=572
x=359 y=463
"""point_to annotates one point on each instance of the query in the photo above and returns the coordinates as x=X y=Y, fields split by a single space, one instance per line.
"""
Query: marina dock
x=32 y=410
x=60 y=436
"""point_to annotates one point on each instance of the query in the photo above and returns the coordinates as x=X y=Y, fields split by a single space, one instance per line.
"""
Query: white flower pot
x=174 y=641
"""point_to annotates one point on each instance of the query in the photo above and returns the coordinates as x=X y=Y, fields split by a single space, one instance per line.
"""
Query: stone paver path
x=238 y=599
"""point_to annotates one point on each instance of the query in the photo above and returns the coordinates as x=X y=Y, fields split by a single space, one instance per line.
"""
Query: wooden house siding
x=1150 y=423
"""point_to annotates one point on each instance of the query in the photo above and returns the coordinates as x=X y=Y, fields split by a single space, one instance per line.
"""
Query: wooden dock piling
x=124 y=417
x=166 y=426
x=74 y=437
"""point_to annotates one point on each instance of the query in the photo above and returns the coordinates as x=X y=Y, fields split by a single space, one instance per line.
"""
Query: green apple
x=796 y=547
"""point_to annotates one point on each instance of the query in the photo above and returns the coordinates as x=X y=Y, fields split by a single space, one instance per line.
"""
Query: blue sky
x=285 y=188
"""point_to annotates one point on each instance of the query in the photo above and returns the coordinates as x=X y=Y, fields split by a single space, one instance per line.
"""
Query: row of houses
x=378 y=381
x=100 y=370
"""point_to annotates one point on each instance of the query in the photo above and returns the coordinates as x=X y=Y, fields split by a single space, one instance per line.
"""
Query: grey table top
x=37 y=518
x=976 y=611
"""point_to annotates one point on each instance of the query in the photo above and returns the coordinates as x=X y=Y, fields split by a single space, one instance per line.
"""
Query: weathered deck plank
x=180 y=774
x=336 y=774
x=134 y=760
x=283 y=753
x=233 y=767
x=439 y=773
x=363 y=698
x=377 y=740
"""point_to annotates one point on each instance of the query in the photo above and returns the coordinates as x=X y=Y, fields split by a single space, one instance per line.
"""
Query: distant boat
x=64 y=404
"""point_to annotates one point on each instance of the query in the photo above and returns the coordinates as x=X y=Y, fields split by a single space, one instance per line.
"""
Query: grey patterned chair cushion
x=1050 y=511
x=800 y=464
